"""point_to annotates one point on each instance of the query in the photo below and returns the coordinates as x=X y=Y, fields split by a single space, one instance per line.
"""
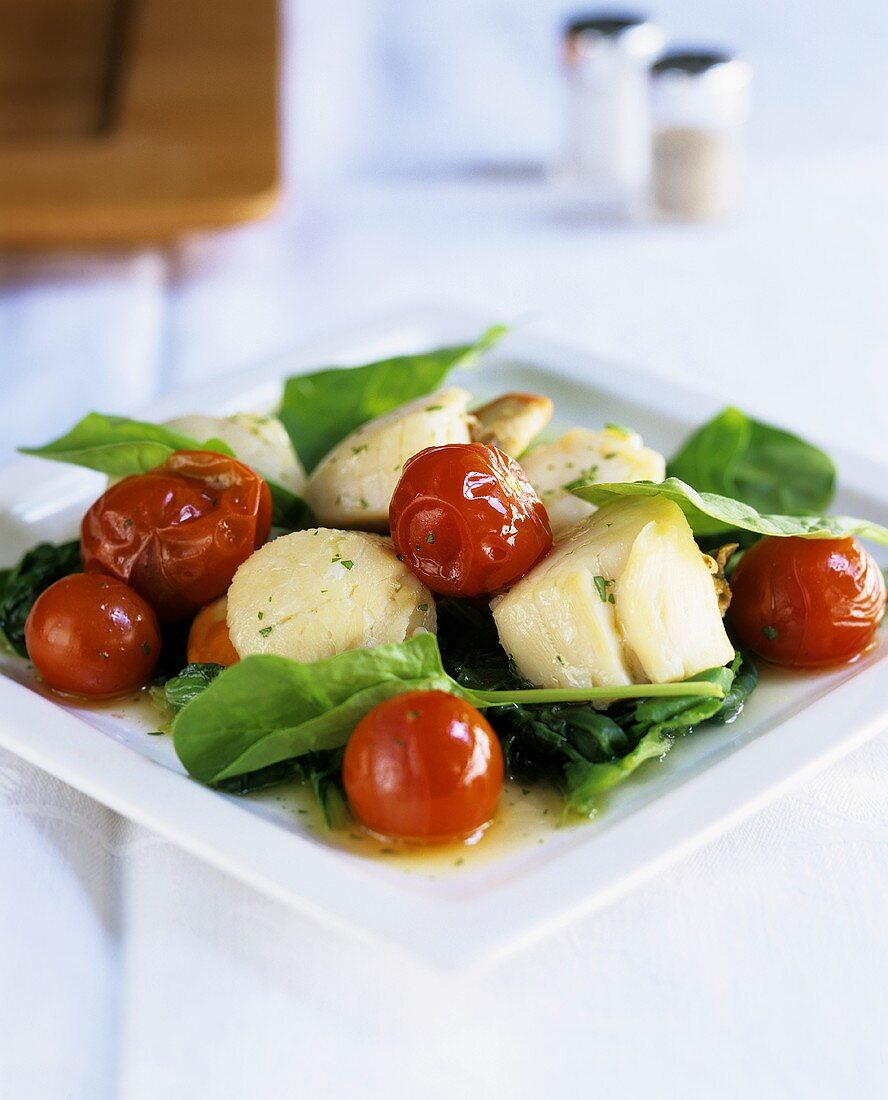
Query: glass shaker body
x=700 y=104
x=607 y=154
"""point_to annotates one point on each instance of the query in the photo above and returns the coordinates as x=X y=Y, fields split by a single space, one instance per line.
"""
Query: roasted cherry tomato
x=93 y=635
x=178 y=533
x=807 y=603
x=209 y=642
x=423 y=766
x=466 y=520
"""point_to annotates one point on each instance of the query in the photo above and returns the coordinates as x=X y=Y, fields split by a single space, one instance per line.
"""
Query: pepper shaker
x=700 y=103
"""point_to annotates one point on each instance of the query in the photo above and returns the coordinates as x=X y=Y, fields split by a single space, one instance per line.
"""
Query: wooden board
x=138 y=121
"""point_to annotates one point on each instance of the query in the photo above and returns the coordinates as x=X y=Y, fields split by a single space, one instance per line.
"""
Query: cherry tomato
x=178 y=533
x=209 y=642
x=93 y=635
x=807 y=603
x=466 y=520
x=423 y=766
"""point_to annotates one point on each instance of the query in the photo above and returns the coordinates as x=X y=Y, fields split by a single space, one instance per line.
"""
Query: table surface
x=756 y=967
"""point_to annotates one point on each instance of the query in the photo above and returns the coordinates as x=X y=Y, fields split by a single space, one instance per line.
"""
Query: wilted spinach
x=20 y=586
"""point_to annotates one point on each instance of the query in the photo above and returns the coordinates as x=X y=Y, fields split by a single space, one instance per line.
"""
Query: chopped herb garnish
x=146 y=646
x=618 y=429
x=261 y=615
x=430 y=537
x=363 y=503
x=265 y=631
x=358 y=450
x=601 y=586
x=127 y=523
x=422 y=607
x=347 y=564
x=559 y=658
x=433 y=408
x=770 y=632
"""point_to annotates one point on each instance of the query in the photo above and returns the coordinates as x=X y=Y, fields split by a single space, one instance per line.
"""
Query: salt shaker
x=607 y=58
x=700 y=103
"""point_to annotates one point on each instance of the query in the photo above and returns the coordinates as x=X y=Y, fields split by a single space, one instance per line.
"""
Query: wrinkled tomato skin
x=466 y=520
x=807 y=603
x=209 y=642
x=178 y=533
x=92 y=635
x=424 y=766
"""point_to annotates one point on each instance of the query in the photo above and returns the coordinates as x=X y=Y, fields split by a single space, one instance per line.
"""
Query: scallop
x=353 y=485
x=512 y=422
x=315 y=593
x=612 y=454
x=625 y=597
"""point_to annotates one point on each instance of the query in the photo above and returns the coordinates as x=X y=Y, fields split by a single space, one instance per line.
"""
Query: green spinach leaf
x=320 y=409
x=769 y=468
x=710 y=514
x=268 y=709
x=119 y=447
x=20 y=586
x=652 y=727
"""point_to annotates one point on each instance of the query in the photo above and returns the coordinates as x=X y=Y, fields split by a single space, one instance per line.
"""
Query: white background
x=414 y=135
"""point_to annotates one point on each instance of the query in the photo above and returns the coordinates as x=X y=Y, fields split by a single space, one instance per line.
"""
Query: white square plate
x=506 y=893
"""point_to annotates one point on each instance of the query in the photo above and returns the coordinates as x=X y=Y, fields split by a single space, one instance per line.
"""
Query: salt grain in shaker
x=700 y=103
x=607 y=159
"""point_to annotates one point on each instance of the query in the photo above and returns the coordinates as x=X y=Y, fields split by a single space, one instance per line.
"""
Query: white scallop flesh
x=611 y=454
x=625 y=597
x=353 y=485
x=313 y=594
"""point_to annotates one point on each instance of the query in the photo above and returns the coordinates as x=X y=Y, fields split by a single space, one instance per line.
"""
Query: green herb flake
x=559 y=658
x=433 y=408
x=422 y=607
x=360 y=450
x=430 y=537
x=618 y=429
x=261 y=615
x=146 y=646
x=601 y=587
x=127 y=523
x=347 y=564
x=265 y=631
x=770 y=632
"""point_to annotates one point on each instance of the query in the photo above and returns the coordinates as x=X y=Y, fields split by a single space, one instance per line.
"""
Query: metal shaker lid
x=714 y=66
x=589 y=33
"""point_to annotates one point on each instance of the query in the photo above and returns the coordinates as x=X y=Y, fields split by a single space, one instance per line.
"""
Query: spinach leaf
x=269 y=709
x=179 y=690
x=653 y=726
x=710 y=514
x=577 y=748
x=320 y=409
x=769 y=468
x=20 y=586
x=119 y=447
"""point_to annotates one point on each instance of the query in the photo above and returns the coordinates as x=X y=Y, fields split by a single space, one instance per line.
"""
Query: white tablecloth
x=756 y=968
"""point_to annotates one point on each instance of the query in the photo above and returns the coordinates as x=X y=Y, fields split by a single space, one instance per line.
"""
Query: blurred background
x=417 y=142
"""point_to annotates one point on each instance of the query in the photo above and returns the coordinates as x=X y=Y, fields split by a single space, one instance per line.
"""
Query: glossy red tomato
x=89 y=634
x=807 y=603
x=209 y=642
x=178 y=533
x=423 y=766
x=466 y=520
